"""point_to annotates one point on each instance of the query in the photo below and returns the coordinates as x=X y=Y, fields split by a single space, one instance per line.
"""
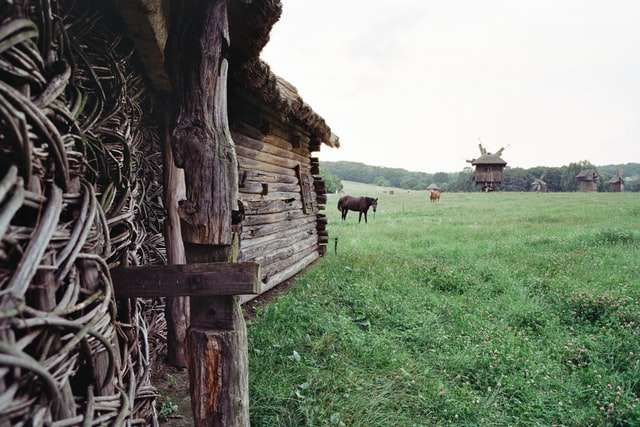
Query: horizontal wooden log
x=255 y=231
x=285 y=253
x=323 y=240
x=276 y=267
x=250 y=187
x=251 y=163
x=274 y=244
x=262 y=207
x=321 y=199
x=286 y=274
x=251 y=243
x=212 y=279
x=268 y=177
x=275 y=195
x=266 y=147
x=272 y=218
x=271 y=159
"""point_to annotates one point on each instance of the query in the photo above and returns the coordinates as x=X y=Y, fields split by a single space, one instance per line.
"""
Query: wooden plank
x=210 y=279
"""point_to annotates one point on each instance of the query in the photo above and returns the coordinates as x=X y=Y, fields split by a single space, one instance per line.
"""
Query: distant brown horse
x=434 y=196
x=357 y=204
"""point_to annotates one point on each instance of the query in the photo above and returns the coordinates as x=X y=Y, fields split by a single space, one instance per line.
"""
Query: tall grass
x=488 y=309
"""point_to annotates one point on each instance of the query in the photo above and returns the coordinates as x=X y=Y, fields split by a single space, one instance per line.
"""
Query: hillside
x=516 y=179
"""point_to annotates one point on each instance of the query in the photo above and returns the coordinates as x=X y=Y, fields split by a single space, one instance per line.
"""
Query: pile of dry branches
x=79 y=194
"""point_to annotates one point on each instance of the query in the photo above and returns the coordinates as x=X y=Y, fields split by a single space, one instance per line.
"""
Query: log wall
x=488 y=174
x=587 y=186
x=279 y=231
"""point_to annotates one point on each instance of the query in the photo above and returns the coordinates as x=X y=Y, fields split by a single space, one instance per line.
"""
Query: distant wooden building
x=434 y=187
x=587 y=181
x=616 y=184
x=489 y=169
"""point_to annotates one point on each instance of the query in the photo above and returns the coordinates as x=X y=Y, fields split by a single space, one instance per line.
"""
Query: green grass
x=488 y=309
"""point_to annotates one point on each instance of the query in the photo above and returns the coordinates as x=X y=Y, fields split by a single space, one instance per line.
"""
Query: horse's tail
x=340 y=205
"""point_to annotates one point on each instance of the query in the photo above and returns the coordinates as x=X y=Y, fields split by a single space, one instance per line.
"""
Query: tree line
x=558 y=179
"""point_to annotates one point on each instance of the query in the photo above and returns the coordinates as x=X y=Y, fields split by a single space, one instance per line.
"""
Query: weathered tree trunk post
x=176 y=309
x=196 y=51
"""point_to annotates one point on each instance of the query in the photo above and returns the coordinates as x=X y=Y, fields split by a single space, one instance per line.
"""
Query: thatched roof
x=588 y=175
x=250 y=25
x=616 y=180
x=434 y=187
x=487 y=158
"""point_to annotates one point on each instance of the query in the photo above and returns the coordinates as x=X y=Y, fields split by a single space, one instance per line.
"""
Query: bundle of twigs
x=79 y=194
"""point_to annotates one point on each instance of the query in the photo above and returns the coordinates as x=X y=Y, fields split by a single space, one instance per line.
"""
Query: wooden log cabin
x=587 y=181
x=104 y=96
x=275 y=134
x=489 y=169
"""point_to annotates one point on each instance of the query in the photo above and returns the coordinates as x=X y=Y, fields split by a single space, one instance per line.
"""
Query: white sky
x=415 y=83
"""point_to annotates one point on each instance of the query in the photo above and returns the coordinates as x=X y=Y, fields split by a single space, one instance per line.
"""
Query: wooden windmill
x=616 y=184
x=489 y=169
x=539 y=185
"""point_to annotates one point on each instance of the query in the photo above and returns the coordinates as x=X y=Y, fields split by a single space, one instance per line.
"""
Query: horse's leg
x=360 y=218
x=365 y=217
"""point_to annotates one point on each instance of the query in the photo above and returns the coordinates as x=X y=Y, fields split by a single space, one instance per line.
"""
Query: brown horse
x=357 y=204
x=434 y=196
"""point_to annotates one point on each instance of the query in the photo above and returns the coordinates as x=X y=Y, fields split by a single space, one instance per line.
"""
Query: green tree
x=381 y=181
x=332 y=183
x=441 y=177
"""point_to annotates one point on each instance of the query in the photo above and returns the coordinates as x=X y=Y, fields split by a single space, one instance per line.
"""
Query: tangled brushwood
x=79 y=194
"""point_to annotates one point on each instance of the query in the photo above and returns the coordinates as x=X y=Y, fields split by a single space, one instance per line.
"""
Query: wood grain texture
x=176 y=309
x=210 y=279
x=196 y=58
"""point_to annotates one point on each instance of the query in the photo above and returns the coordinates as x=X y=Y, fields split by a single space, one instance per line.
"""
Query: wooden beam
x=146 y=24
x=210 y=279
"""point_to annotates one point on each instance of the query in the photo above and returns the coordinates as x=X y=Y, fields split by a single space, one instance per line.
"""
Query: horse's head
x=374 y=204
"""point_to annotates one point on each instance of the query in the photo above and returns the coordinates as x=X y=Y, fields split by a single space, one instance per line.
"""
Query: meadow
x=487 y=309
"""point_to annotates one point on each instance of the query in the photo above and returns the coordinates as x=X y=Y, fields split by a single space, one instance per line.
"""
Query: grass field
x=488 y=309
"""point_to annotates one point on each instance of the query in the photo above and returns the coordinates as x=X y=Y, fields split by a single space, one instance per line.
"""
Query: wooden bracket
x=213 y=279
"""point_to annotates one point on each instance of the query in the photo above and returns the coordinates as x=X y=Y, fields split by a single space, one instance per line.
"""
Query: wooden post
x=217 y=338
x=176 y=309
x=196 y=59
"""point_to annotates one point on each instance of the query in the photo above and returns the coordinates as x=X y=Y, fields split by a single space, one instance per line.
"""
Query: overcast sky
x=415 y=83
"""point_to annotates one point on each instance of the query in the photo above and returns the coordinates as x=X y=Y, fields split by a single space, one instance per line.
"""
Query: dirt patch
x=174 y=404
